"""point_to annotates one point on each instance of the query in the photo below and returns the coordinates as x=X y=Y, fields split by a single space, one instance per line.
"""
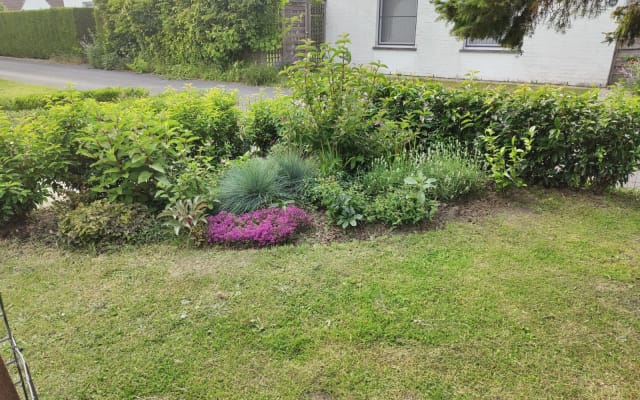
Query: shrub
x=264 y=121
x=212 y=117
x=294 y=172
x=457 y=171
x=189 y=177
x=333 y=116
x=27 y=162
x=400 y=207
x=260 y=228
x=259 y=74
x=45 y=33
x=212 y=33
x=580 y=142
x=104 y=223
x=31 y=102
x=345 y=205
x=250 y=186
x=132 y=147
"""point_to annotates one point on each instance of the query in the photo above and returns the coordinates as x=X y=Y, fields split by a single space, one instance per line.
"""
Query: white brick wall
x=578 y=57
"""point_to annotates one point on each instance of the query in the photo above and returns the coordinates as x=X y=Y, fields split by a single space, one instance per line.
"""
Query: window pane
x=482 y=43
x=398 y=30
x=399 y=8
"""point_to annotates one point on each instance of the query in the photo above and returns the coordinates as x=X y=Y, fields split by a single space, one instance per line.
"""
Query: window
x=397 y=24
x=481 y=44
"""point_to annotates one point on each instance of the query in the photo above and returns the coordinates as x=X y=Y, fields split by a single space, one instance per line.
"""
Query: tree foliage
x=509 y=21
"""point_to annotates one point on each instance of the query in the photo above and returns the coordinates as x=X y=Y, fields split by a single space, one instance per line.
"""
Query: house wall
x=35 y=5
x=577 y=57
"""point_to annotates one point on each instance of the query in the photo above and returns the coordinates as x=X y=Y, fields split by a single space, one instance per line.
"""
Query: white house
x=406 y=36
x=17 y=5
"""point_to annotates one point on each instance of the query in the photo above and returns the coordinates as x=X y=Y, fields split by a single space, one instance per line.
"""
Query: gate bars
x=24 y=384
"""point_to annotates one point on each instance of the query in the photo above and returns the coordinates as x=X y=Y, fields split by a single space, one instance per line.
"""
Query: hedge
x=45 y=33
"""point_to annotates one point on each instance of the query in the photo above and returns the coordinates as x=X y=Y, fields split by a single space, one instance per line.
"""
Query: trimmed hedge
x=581 y=141
x=45 y=33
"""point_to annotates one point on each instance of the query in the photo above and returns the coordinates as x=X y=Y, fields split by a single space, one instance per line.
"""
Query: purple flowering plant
x=266 y=227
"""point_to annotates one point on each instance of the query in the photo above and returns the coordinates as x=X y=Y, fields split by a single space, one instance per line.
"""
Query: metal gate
x=15 y=378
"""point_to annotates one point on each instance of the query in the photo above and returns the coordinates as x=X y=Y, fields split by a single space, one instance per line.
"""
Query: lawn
x=10 y=90
x=538 y=299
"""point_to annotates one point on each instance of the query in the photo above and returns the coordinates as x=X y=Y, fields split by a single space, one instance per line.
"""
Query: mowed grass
x=539 y=300
x=10 y=90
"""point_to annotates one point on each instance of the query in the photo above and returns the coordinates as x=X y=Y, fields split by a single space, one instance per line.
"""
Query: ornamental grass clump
x=266 y=227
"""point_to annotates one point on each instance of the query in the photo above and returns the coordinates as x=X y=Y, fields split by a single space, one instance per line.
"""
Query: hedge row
x=580 y=140
x=46 y=33
x=124 y=151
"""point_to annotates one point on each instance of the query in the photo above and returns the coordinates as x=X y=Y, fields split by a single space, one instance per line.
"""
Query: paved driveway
x=83 y=77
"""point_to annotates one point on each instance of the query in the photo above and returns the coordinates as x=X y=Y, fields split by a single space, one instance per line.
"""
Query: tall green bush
x=199 y=32
x=45 y=33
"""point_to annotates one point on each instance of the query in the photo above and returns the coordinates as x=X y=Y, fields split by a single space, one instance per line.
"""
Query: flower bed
x=260 y=228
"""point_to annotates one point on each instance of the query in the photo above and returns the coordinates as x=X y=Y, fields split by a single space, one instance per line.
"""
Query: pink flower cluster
x=259 y=228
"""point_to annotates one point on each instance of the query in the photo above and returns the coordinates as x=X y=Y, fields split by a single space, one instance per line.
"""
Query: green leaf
x=144 y=176
x=158 y=167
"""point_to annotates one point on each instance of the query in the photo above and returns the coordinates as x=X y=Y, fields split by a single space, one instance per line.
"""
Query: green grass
x=538 y=300
x=10 y=90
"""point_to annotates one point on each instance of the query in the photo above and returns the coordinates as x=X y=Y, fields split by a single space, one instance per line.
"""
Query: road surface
x=83 y=77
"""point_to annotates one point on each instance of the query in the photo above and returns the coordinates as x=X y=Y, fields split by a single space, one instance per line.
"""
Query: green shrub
x=45 y=33
x=250 y=186
x=175 y=33
x=27 y=162
x=190 y=177
x=457 y=171
x=332 y=114
x=345 y=203
x=294 y=172
x=212 y=117
x=132 y=147
x=580 y=142
x=259 y=74
x=31 y=102
x=103 y=223
x=400 y=207
x=264 y=121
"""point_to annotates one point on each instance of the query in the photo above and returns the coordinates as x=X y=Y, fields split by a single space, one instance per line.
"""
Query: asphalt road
x=83 y=77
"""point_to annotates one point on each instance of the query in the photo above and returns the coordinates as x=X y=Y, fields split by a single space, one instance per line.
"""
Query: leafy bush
x=400 y=207
x=264 y=121
x=212 y=117
x=131 y=148
x=260 y=228
x=457 y=172
x=189 y=177
x=211 y=33
x=27 y=162
x=31 y=102
x=580 y=142
x=250 y=186
x=104 y=223
x=345 y=205
x=332 y=115
x=45 y=33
